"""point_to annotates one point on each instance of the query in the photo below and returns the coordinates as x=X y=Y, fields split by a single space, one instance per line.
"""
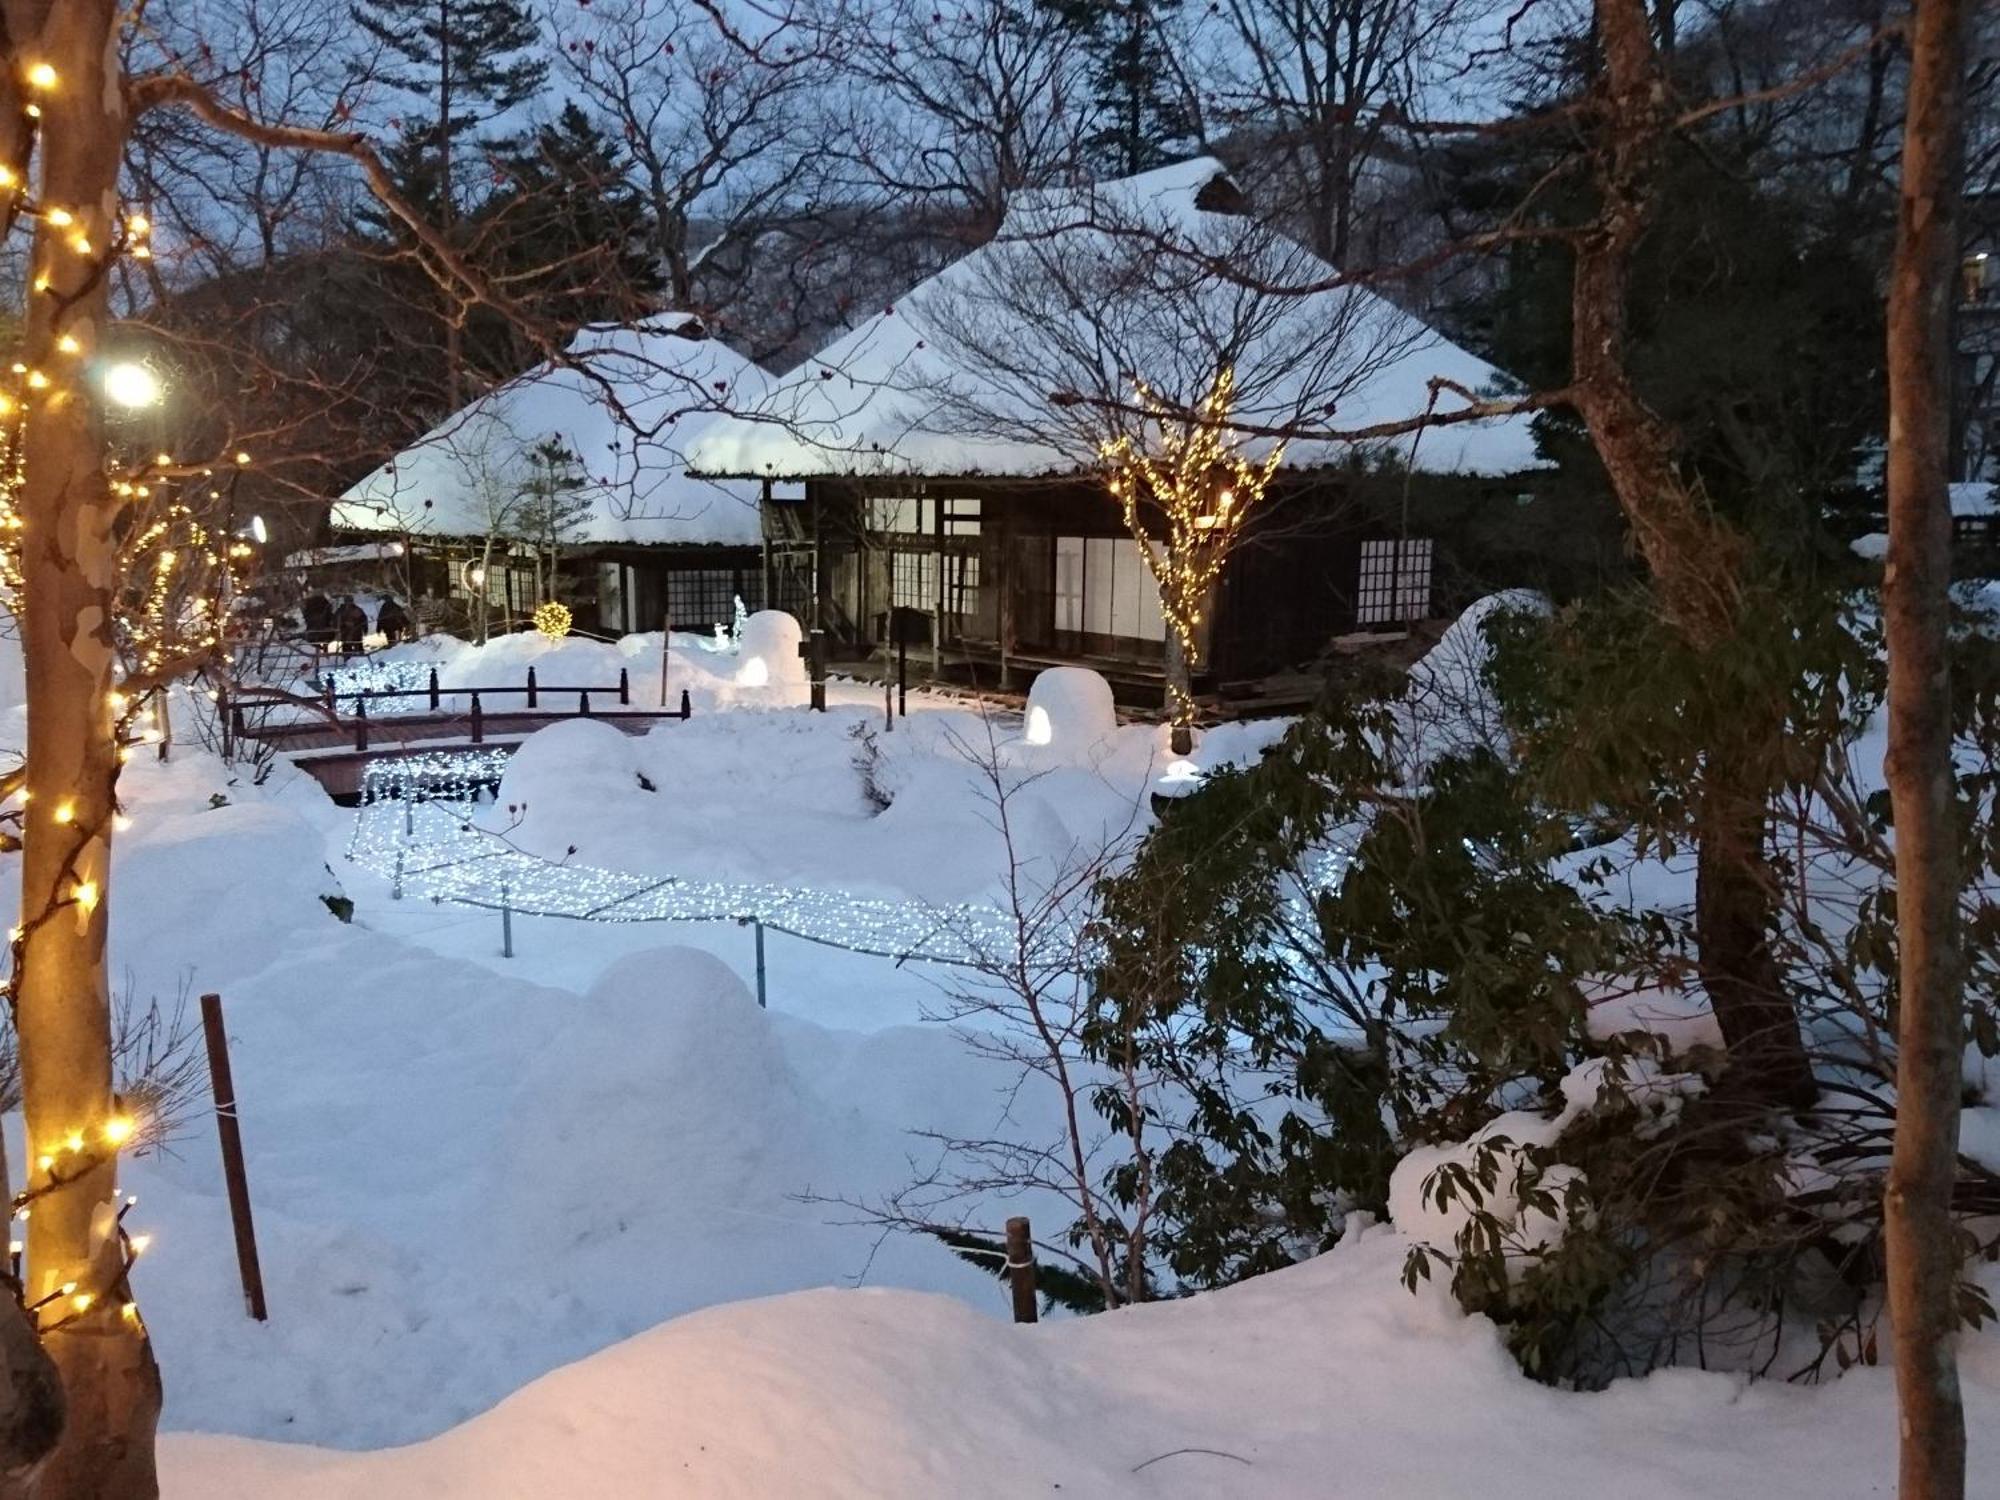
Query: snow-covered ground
x=509 y=1209
x=1325 y=1379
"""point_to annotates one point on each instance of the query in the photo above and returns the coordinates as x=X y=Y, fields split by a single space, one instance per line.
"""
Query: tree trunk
x=454 y=337
x=1922 y=1248
x=1734 y=888
x=68 y=585
x=1180 y=694
x=1695 y=559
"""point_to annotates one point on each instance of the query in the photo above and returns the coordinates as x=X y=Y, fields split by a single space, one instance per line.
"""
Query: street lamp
x=130 y=384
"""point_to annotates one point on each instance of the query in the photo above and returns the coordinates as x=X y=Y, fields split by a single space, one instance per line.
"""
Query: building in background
x=948 y=445
x=568 y=483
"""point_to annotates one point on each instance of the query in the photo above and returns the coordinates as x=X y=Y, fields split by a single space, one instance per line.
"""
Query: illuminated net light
x=418 y=827
x=379 y=677
x=553 y=620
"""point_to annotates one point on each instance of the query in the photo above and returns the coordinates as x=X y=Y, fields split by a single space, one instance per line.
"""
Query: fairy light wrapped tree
x=119 y=587
x=1184 y=501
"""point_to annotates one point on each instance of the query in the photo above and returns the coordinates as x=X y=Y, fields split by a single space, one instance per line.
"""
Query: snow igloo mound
x=768 y=655
x=1069 y=711
x=564 y=781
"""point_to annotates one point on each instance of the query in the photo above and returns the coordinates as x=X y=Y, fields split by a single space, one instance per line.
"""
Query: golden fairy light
x=1185 y=507
x=553 y=620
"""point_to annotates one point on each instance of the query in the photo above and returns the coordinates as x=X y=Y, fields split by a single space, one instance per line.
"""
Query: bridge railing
x=426 y=705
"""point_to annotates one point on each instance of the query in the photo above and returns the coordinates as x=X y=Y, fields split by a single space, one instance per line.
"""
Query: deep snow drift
x=1324 y=1379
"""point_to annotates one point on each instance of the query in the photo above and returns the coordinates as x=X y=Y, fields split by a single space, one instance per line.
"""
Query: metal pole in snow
x=506 y=925
x=762 y=1003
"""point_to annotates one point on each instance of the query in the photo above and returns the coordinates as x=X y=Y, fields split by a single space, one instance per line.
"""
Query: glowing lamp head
x=1182 y=773
x=753 y=673
x=259 y=532
x=1040 y=730
x=131 y=385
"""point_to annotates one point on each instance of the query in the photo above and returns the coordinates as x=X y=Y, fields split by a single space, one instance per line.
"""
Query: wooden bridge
x=336 y=748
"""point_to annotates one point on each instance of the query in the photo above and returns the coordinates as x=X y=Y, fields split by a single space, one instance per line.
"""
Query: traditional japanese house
x=950 y=445
x=569 y=483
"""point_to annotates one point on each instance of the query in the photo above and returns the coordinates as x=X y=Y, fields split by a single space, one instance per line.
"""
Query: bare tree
x=952 y=108
x=1316 y=87
x=1086 y=294
x=1024 y=999
x=718 y=123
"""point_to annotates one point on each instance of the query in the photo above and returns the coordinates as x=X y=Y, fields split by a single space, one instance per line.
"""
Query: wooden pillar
x=816 y=638
x=764 y=520
x=1020 y=1244
x=943 y=586
x=818 y=620
x=1004 y=606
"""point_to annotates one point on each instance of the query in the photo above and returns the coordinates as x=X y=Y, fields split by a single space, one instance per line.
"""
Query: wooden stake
x=233 y=1176
x=1021 y=1270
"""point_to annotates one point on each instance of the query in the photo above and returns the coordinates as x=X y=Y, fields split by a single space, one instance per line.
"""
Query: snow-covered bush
x=1408 y=972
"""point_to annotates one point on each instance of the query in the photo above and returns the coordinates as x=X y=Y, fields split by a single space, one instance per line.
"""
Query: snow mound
x=1070 y=709
x=1260 y=1392
x=565 y=785
x=768 y=655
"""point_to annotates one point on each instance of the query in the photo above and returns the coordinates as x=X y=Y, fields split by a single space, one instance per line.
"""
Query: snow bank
x=1324 y=1375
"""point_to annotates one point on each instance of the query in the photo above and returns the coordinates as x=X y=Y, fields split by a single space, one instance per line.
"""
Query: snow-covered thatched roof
x=671 y=380
x=1081 y=291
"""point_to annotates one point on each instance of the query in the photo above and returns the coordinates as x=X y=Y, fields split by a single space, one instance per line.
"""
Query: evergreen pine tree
x=1146 y=117
x=568 y=230
x=464 y=59
x=554 y=505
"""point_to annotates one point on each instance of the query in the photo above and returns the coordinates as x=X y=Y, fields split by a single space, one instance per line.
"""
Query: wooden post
x=436 y=698
x=1021 y=1270
x=687 y=707
x=943 y=587
x=762 y=1004
x=506 y=924
x=903 y=669
x=816 y=636
x=769 y=579
x=478 y=722
x=624 y=687
x=230 y=1131
x=1005 y=602
x=583 y=703
x=360 y=721
x=665 y=634
x=531 y=687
